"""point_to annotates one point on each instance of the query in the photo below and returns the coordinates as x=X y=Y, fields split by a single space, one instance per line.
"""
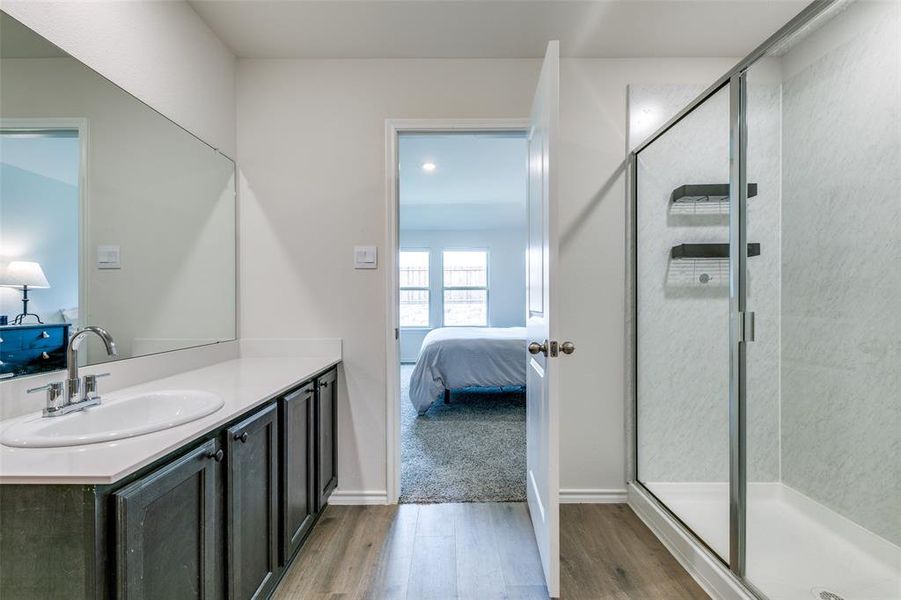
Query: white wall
x=311 y=137
x=161 y=52
x=506 y=276
x=312 y=155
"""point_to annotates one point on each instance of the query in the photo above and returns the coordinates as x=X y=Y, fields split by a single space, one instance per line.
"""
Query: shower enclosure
x=766 y=271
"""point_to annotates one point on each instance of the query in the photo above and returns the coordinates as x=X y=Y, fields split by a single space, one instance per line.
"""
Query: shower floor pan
x=797 y=548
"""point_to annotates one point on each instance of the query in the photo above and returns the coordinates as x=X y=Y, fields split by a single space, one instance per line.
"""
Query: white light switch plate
x=366 y=257
x=108 y=257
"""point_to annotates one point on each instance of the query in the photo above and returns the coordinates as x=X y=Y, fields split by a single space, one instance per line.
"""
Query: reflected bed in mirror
x=110 y=215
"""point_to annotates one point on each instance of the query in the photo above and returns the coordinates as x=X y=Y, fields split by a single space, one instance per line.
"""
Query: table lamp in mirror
x=25 y=275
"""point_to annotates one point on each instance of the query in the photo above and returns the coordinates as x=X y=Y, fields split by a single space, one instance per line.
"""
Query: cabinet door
x=298 y=506
x=327 y=438
x=252 y=505
x=166 y=530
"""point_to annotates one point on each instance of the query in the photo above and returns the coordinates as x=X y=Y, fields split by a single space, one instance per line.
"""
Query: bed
x=467 y=357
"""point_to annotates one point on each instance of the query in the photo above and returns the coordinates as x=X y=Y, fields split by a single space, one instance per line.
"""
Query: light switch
x=108 y=257
x=366 y=257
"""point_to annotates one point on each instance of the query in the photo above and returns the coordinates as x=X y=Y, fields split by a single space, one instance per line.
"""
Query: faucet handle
x=55 y=391
x=90 y=385
x=56 y=386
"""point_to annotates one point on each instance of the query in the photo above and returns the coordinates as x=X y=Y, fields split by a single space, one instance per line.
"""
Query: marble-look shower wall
x=683 y=306
x=841 y=283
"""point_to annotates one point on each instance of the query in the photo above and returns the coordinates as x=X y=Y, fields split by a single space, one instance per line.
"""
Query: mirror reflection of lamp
x=25 y=275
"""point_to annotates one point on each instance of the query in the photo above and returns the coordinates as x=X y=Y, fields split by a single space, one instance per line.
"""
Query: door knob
x=567 y=348
x=218 y=455
x=535 y=348
x=242 y=437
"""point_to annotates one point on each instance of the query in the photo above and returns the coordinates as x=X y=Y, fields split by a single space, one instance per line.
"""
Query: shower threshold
x=797 y=548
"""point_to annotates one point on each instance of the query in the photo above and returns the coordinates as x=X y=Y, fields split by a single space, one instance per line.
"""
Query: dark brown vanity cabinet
x=167 y=530
x=252 y=494
x=327 y=436
x=298 y=503
x=221 y=517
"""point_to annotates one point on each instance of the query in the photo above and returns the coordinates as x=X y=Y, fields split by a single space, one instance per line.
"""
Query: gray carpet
x=471 y=450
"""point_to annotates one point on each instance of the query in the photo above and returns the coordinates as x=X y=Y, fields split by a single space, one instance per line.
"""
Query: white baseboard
x=711 y=575
x=590 y=496
x=571 y=496
x=356 y=497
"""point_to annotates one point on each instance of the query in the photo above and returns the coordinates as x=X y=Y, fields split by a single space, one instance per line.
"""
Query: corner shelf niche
x=706 y=192
x=706 y=251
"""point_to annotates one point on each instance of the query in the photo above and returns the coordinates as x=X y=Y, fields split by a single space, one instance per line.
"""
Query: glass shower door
x=682 y=316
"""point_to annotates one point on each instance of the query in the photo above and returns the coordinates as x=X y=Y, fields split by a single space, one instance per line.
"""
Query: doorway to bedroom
x=462 y=235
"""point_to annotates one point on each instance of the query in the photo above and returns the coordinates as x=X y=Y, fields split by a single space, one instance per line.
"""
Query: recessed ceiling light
x=428 y=167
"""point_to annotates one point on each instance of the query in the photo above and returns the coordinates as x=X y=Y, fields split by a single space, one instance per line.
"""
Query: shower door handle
x=746 y=327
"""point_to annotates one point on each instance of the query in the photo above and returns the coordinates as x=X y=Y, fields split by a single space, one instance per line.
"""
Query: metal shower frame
x=741 y=321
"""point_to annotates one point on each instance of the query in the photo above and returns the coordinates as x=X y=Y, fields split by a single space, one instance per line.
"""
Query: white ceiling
x=480 y=181
x=493 y=29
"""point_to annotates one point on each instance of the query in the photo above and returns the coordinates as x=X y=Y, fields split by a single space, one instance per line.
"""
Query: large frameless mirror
x=110 y=215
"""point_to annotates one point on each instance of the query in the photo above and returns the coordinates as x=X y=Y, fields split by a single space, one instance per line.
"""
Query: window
x=466 y=287
x=414 y=288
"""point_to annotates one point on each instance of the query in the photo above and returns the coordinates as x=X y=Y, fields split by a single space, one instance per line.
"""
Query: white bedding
x=461 y=357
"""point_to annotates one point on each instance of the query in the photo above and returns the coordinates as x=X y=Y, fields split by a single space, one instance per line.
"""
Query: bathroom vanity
x=202 y=481
x=214 y=508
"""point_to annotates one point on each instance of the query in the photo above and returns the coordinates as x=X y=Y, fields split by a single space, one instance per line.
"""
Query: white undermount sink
x=124 y=416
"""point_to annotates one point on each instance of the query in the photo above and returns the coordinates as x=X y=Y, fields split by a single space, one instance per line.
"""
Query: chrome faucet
x=65 y=397
x=73 y=383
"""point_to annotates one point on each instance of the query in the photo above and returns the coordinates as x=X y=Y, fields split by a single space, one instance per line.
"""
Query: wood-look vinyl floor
x=481 y=552
x=606 y=552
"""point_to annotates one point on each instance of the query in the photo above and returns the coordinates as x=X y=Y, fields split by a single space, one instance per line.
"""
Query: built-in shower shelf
x=701 y=251
x=706 y=192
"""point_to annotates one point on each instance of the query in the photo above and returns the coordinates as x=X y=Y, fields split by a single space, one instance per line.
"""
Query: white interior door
x=543 y=484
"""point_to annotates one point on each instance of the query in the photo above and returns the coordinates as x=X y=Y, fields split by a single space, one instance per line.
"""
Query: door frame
x=393 y=129
x=81 y=125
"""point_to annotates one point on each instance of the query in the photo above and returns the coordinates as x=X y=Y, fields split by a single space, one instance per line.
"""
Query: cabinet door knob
x=324 y=384
x=218 y=455
x=242 y=437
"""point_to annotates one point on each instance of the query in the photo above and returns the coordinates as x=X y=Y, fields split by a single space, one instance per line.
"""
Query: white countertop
x=243 y=384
